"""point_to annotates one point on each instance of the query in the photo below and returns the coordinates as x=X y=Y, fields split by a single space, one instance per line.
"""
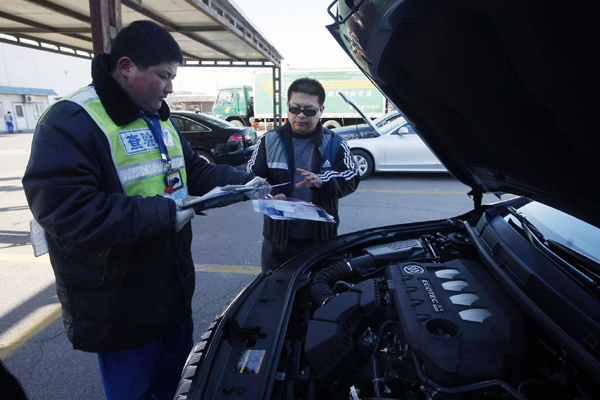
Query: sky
x=295 y=28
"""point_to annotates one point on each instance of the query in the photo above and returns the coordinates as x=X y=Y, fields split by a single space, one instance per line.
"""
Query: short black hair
x=308 y=86
x=146 y=43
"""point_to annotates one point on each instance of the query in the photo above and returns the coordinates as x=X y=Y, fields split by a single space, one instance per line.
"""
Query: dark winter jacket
x=339 y=179
x=123 y=275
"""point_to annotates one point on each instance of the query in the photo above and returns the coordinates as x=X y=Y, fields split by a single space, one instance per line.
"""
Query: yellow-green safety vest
x=135 y=152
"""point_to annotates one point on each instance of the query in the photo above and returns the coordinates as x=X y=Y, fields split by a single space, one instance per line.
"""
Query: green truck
x=253 y=105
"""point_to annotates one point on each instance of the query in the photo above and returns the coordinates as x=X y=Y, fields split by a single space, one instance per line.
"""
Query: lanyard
x=156 y=130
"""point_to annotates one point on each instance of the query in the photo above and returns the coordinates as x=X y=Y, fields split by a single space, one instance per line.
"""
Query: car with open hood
x=499 y=303
x=389 y=144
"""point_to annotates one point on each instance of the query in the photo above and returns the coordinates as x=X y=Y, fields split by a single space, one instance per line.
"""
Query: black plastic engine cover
x=459 y=321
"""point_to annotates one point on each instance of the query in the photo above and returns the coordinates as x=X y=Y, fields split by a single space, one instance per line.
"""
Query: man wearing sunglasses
x=317 y=164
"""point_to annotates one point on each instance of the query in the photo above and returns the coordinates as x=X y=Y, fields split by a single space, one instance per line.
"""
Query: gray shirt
x=304 y=151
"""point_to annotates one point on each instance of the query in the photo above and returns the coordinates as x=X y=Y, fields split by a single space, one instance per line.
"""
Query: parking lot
x=226 y=251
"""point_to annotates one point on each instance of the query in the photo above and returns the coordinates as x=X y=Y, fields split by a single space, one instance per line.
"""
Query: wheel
x=237 y=122
x=206 y=156
x=331 y=124
x=364 y=163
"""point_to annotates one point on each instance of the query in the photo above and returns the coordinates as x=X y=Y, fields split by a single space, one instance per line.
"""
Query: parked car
x=382 y=124
x=499 y=303
x=398 y=150
x=216 y=140
x=388 y=144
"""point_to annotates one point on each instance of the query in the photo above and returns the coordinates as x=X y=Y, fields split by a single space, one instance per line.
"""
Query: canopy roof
x=209 y=32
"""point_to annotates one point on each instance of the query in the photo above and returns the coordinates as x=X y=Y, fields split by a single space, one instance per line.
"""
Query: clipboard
x=221 y=200
x=229 y=194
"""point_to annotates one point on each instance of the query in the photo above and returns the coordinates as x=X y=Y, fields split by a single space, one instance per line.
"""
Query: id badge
x=173 y=180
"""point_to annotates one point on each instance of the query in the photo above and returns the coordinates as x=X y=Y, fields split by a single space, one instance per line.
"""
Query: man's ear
x=125 y=67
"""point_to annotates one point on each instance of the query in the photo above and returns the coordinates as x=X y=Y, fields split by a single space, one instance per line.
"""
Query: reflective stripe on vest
x=135 y=153
x=276 y=156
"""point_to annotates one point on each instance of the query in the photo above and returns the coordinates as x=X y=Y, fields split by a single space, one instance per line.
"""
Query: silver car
x=392 y=150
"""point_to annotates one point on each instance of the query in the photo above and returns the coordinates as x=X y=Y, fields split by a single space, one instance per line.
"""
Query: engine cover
x=457 y=319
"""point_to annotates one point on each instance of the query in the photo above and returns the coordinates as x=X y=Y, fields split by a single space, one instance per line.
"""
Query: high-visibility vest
x=135 y=152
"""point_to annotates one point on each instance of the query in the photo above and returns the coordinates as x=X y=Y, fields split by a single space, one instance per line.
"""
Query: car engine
x=417 y=318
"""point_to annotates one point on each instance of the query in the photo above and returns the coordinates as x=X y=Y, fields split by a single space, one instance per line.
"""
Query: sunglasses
x=308 y=113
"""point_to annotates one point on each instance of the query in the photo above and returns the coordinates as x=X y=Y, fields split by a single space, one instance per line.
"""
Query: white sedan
x=397 y=150
x=392 y=147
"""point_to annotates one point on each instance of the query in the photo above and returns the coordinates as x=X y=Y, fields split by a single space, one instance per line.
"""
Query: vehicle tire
x=364 y=163
x=237 y=122
x=331 y=124
x=206 y=156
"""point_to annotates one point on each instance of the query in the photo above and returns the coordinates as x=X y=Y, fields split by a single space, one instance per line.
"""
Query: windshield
x=563 y=228
x=386 y=119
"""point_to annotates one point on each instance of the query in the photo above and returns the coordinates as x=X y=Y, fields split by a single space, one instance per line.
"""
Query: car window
x=179 y=122
x=240 y=95
x=225 y=97
x=192 y=126
x=393 y=118
x=221 y=123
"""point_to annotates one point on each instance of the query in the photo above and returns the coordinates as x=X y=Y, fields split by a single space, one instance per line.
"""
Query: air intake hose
x=320 y=289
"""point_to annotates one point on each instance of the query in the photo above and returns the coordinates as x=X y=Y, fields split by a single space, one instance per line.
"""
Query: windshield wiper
x=588 y=266
x=580 y=268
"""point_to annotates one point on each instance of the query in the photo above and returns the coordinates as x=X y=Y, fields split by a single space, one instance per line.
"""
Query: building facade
x=26 y=105
x=31 y=80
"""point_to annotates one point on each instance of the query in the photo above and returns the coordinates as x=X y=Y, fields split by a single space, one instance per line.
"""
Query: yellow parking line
x=408 y=191
x=55 y=313
x=232 y=269
x=22 y=338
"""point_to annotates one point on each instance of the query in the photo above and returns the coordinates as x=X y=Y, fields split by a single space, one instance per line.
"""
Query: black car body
x=216 y=140
x=500 y=303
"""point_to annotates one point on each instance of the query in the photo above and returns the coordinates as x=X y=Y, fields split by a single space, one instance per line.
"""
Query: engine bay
x=417 y=318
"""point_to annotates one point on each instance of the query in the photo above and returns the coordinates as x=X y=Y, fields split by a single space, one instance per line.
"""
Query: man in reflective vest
x=106 y=173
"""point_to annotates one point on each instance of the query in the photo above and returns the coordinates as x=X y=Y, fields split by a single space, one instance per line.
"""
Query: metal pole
x=277 y=120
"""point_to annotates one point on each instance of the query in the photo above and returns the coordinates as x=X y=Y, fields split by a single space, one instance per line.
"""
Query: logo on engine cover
x=435 y=303
x=413 y=269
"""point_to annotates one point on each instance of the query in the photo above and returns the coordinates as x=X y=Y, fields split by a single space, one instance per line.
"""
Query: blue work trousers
x=151 y=371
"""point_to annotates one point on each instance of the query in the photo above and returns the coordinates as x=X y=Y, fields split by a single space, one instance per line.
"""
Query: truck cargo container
x=245 y=105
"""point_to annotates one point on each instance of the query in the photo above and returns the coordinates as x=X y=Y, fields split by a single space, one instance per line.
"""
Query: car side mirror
x=402 y=131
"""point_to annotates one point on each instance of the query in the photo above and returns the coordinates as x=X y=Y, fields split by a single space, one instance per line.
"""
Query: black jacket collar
x=316 y=137
x=115 y=100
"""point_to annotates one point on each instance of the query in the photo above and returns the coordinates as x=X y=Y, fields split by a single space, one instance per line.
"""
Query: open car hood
x=504 y=92
x=368 y=120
